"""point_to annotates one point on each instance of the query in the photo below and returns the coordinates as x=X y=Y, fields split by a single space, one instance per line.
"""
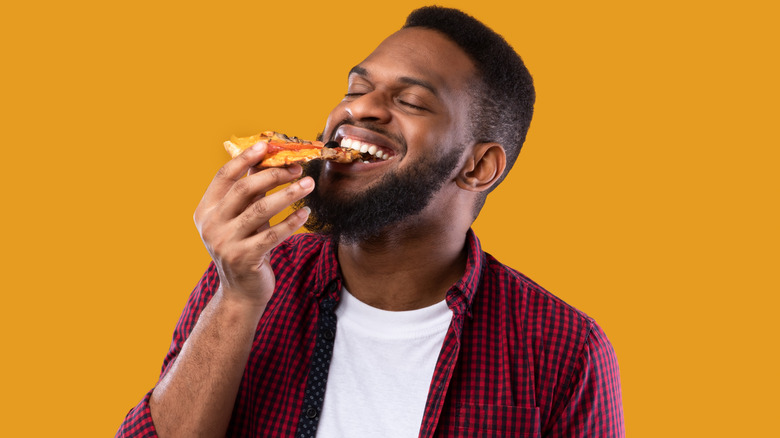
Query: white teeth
x=364 y=148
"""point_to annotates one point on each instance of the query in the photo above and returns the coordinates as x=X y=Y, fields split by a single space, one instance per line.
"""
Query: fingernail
x=257 y=146
x=306 y=183
x=307 y=210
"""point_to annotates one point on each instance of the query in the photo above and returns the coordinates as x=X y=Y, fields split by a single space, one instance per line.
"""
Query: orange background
x=646 y=194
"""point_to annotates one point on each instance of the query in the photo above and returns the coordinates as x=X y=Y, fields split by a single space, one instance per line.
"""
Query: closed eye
x=412 y=106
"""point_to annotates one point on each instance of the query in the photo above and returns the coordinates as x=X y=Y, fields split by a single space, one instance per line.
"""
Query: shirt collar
x=459 y=297
x=461 y=294
x=328 y=275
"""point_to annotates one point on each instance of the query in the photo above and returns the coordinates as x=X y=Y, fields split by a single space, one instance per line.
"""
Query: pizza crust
x=285 y=151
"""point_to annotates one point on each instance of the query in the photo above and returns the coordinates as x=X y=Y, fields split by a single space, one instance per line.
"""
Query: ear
x=483 y=167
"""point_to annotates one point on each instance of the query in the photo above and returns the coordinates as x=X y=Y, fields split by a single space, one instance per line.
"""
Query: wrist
x=238 y=307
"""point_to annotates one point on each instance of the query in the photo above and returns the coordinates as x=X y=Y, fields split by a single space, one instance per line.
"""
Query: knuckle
x=293 y=192
x=259 y=208
x=205 y=231
x=200 y=216
x=246 y=159
x=278 y=174
x=271 y=237
x=223 y=172
x=242 y=188
x=215 y=242
x=245 y=220
x=212 y=237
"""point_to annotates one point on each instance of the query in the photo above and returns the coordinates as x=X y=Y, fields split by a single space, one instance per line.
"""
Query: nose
x=371 y=106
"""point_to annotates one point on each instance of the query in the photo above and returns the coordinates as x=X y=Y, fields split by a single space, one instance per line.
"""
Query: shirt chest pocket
x=496 y=421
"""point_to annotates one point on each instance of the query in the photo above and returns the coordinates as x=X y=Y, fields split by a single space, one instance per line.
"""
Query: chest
x=477 y=384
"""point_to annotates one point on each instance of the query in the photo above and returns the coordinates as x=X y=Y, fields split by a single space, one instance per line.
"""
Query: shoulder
x=530 y=300
x=572 y=363
x=548 y=325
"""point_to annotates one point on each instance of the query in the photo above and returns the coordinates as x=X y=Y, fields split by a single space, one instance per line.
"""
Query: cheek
x=428 y=133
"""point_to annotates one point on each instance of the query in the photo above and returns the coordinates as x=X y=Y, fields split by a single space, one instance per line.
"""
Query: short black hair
x=504 y=100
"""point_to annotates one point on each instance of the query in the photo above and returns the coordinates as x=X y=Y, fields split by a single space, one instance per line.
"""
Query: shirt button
x=329 y=335
x=311 y=412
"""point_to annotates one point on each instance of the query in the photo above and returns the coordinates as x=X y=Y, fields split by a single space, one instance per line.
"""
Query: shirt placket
x=442 y=377
x=316 y=382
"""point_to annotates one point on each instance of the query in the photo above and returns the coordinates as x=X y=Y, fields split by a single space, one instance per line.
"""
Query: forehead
x=425 y=54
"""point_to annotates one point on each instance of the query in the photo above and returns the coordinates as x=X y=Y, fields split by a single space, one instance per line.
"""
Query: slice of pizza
x=284 y=151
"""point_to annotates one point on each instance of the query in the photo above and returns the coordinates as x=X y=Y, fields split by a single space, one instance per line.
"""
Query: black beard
x=398 y=196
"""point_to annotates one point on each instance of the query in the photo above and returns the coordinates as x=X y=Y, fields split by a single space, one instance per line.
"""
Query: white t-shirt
x=381 y=369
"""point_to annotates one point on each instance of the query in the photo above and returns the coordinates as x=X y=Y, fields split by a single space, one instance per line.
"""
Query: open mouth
x=369 y=153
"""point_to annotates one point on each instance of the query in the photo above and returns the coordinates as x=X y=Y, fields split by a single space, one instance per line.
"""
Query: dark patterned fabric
x=516 y=360
x=314 y=396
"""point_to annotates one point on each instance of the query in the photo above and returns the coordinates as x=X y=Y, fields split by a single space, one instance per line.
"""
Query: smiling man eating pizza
x=388 y=320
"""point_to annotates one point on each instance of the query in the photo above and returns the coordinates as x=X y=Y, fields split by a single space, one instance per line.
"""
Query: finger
x=253 y=188
x=263 y=242
x=233 y=171
x=258 y=213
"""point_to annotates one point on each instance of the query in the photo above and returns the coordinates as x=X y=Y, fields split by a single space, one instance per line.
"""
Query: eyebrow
x=358 y=70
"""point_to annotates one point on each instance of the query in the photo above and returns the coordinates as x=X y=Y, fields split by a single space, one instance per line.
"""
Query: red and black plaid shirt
x=516 y=360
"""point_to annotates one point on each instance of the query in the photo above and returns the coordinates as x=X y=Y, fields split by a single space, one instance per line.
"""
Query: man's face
x=408 y=104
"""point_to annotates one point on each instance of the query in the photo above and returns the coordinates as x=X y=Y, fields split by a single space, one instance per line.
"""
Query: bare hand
x=233 y=216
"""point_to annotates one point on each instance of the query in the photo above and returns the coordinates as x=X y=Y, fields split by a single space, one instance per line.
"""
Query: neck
x=404 y=270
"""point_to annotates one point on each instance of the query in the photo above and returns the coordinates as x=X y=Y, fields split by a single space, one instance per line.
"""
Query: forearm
x=197 y=394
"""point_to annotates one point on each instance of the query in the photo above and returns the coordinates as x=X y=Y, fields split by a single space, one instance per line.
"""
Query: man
x=390 y=320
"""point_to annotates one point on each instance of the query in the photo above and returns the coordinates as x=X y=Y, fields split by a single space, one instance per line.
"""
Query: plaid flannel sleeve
x=594 y=407
x=138 y=422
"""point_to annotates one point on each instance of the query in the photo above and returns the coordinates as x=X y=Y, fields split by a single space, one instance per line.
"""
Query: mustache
x=370 y=126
